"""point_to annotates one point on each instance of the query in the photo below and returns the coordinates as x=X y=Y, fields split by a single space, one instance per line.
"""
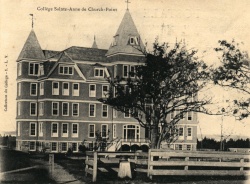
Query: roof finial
x=32 y=25
x=127 y=1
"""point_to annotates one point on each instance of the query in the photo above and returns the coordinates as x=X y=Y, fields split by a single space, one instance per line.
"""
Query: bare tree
x=168 y=81
x=234 y=73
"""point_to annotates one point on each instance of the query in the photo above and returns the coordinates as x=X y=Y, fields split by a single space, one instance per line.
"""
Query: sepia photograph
x=125 y=91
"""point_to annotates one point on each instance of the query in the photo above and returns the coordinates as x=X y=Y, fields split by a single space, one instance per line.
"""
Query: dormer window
x=133 y=40
x=66 y=70
x=114 y=43
x=99 y=72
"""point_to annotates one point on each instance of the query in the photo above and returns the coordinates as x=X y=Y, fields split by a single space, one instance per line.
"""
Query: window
x=41 y=69
x=114 y=43
x=64 y=147
x=91 y=131
x=65 y=88
x=54 y=146
x=75 y=89
x=74 y=130
x=65 y=130
x=42 y=88
x=18 y=128
x=104 y=91
x=133 y=40
x=189 y=133
x=55 y=108
x=99 y=72
x=41 y=108
x=189 y=147
x=33 y=89
x=18 y=108
x=189 y=116
x=66 y=70
x=114 y=131
x=65 y=109
x=19 y=88
x=178 y=146
x=115 y=71
x=19 y=69
x=40 y=129
x=125 y=70
x=75 y=109
x=74 y=147
x=54 y=130
x=32 y=108
x=104 y=131
x=132 y=71
x=32 y=146
x=92 y=110
x=55 y=88
x=126 y=114
x=32 y=129
x=181 y=133
x=92 y=90
x=33 y=68
x=104 y=111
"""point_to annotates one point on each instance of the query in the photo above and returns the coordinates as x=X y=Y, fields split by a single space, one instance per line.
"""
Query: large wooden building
x=57 y=92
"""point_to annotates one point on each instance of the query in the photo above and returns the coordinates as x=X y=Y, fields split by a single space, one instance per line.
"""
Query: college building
x=57 y=92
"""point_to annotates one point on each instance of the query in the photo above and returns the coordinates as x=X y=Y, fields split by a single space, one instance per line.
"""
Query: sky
x=200 y=23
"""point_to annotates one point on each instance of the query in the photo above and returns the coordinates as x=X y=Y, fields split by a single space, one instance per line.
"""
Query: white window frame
x=56 y=134
x=18 y=128
x=52 y=109
x=105 y=132
x=41 y=69
x=63 y=72
x=64 y=109
x=181 y=137
x=31 y=84
x=34 y=66
x=19 y=69
x=190 y=114
x=125 y=75
x=98 y=74
x=105 y=93
x=128 y=114
x=65 y=134
x=52 y=146
x=94 y=110
x=72 y=130
x=103 y=105
x=34 y=146
x=18 y=108
x=35 y=108
x=115 y=71
x=135 y=40
x=76 y=146
x=92 y=93
x=41 y=108
x=114 y=130
x=75 y=92
x=55 y=91
x=190 y=147
x=77 y=109
x=40 y=129
x=62 y=146
x=65 y=92
x=189 y=137
x=30 y=131
x=42 y=88
x=91 y=132
x=19 y=88
x=132 y=66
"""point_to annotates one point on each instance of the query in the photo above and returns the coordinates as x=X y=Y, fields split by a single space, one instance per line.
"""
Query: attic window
x=133 y=40
x=66 y=70
x=114 y=43
x=99 y=72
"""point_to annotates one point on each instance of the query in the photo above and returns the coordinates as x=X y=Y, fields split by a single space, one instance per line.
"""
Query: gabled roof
x=31 y=48
x=64 y=58
x=126 y=29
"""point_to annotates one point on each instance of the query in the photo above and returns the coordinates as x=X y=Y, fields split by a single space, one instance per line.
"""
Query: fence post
x=242 y=163
x=95 y=167
x=149 y=162
x=186 y=167
x=87 y=166
x=51 y=162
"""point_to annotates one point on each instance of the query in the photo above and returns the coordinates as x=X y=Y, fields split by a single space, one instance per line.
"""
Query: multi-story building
x=57 y=92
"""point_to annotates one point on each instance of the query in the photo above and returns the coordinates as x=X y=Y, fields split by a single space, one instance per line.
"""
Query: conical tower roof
x=126 y=30
x=94 y=46
x=31 y=48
